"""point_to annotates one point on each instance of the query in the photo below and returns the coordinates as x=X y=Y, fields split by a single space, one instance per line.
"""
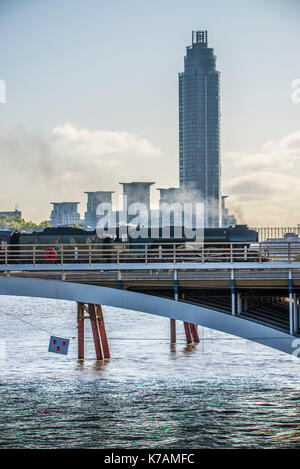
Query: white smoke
x=40 y=168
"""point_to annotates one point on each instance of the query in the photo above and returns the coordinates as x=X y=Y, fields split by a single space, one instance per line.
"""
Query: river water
x=223 y=393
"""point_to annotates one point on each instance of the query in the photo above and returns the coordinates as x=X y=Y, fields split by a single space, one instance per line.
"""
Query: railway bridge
x=224 y=290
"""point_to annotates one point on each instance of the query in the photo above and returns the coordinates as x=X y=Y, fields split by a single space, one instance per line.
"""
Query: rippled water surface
x=225 y=392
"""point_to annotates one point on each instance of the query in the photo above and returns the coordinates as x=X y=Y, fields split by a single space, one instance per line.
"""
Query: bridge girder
x=203 y=316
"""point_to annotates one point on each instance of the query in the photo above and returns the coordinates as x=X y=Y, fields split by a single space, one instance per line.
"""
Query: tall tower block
x=199 y=127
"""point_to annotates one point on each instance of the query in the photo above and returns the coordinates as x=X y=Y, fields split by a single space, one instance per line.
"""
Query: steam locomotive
x=68 y=244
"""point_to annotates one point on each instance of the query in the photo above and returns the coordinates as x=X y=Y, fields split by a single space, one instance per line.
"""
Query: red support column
x=102 y=331
x=96 y=333
x=194 y=331
x=173 y=331
x=80 y=328
x=188 y=334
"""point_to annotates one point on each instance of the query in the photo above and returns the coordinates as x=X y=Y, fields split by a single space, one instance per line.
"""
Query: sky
x=92 y=100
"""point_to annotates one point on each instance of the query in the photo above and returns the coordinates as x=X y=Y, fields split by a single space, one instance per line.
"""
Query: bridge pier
x=188 y=333
x=232 y=287
x=239 y=303
x=173 y=321
x=175 y=285
x=295 y=314
x=119 y=280
x=191 y=332
x=173 y=331
x=291 y=312
x=102 y=331
x=96 y=332
x=95 y=315
x=194 y=331
x=80 y=327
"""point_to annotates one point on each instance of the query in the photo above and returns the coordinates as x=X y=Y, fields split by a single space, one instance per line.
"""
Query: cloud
x=38 y=168
x=265 y=185
x=103 y=143
x=289 y=144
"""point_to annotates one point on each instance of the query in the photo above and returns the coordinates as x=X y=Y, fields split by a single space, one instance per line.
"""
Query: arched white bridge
x=234 y=325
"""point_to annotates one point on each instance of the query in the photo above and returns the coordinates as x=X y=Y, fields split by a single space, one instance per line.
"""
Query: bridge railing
x=271 y=232
x=120 y=253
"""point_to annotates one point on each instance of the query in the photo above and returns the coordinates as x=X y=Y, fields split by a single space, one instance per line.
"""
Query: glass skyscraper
x=199 y=122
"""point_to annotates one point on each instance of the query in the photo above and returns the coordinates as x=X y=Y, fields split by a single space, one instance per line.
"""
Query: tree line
x=17 y=223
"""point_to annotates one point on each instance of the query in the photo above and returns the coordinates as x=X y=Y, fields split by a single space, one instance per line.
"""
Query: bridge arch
x=194 y=314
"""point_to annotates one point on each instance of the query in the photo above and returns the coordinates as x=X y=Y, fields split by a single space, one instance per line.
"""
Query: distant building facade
x=12 y=214
x=64 y=214
x=93 y=201
x=170 y=195
x=136 y=192
x=199 y=127
x=178 y=199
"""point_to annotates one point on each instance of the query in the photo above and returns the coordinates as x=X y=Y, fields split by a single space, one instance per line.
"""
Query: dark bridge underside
x=262 y=306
